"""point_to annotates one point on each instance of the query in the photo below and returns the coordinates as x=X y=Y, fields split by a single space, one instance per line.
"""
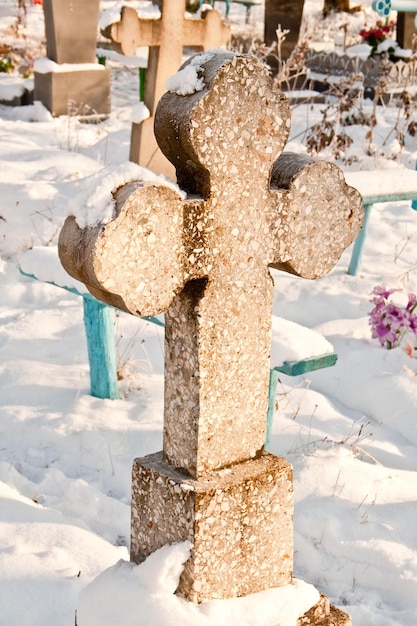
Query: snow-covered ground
x=65 y=457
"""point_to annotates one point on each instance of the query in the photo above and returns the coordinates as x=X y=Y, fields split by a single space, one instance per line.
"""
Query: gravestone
x=166 y=38
x=287 y=14
x=406 y=28
x=335 y=5
x=204 y=261
x=70 y=79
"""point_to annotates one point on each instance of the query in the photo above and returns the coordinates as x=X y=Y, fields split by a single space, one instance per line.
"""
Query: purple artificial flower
x=412 y=316
x=412 y=302
x=390 y=322
x=383 y=292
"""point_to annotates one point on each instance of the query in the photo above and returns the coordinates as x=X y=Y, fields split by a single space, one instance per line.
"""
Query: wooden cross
x=204 y=261
x=166 y=38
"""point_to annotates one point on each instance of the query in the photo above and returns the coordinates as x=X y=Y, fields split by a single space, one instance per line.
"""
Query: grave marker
x=406 y=28
x=287 y=14
x=166 y=38
x=204 y=261
x=70 y=79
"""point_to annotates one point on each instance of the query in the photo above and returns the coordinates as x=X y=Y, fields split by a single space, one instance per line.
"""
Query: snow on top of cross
x=146 y=10
x=95 y=204
x=187 y=80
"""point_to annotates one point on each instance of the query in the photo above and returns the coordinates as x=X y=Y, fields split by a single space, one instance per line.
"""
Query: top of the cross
x=224 y=137
x=231 y=120
x=167 y=27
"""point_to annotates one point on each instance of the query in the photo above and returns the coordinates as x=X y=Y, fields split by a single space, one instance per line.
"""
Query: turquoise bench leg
x=99 y=330
x=358 y=245
x=272 y=392
x=414 y=202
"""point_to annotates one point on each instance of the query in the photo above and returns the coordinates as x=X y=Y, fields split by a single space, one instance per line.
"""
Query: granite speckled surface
x=204 y=261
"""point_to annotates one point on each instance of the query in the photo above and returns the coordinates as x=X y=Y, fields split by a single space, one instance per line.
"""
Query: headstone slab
x=204 y=260
x=239 y=520
x=71 y=30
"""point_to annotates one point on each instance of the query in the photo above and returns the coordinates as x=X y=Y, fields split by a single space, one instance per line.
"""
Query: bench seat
x=379 y=186
x=248 y=4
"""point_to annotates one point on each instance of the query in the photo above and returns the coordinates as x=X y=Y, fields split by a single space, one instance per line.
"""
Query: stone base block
x=239 y=520
x=324 y=614
x=80 y=92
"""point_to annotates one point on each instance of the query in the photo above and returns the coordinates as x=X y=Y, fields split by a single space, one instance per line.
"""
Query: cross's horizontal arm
x=316 y=215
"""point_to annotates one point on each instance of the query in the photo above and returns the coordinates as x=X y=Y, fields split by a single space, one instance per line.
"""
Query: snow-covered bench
x=406 y=21
x=409 y=6
x=296 y=349
x=248 y=4
x=379 y=186
x=43 y=264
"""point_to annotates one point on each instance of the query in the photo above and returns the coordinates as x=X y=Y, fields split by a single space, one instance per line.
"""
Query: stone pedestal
x=239 y=520
x=85 y=92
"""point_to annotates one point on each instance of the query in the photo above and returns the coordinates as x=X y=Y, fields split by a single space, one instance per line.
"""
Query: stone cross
x=166 y=38
x=204 y=261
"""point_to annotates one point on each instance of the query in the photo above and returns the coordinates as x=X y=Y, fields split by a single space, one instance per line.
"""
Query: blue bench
x=248 y=4
x=98 y=319
x=99 y=332
x=379 y=186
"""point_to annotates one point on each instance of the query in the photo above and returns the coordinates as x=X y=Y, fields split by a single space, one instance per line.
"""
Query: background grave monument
x=71 y=74
x=335 y=5
x=204 y=261
x=166 y=38
x=406 y=28
x=287 y=14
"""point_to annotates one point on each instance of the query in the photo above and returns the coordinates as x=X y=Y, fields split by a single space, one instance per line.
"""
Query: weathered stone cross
x=204 y=261
x=166 y=38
